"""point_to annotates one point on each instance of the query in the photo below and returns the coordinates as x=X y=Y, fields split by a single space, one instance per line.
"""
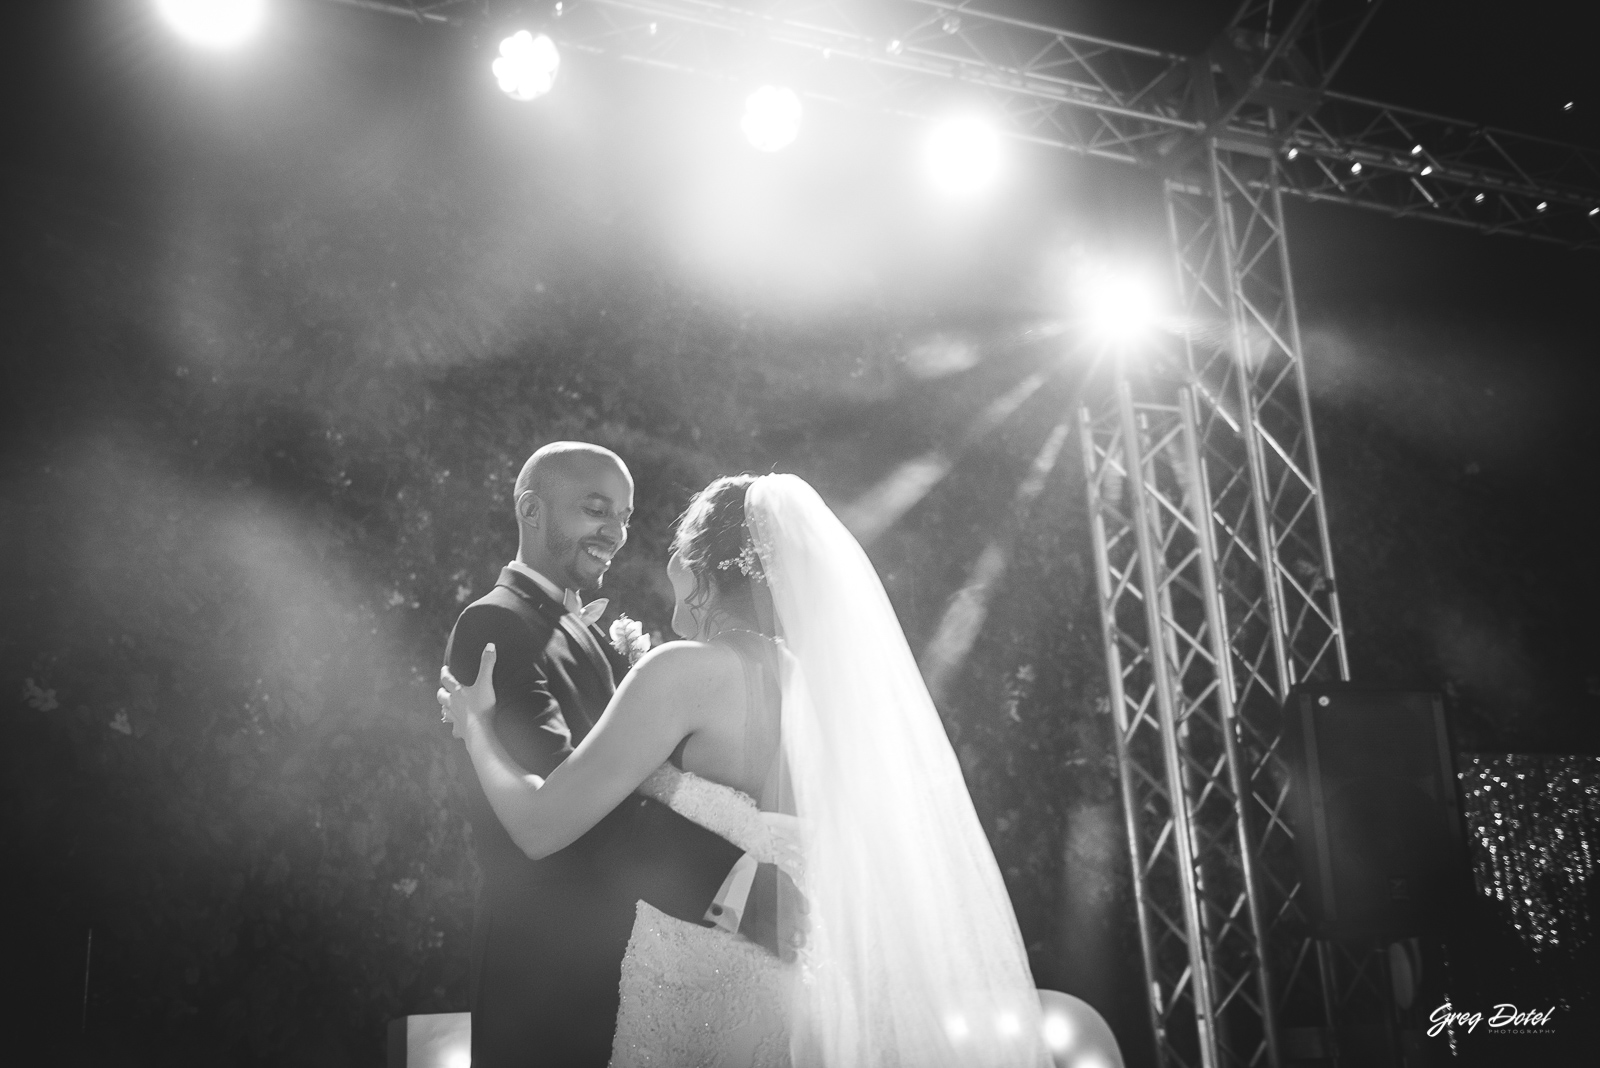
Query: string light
x=1534 y=821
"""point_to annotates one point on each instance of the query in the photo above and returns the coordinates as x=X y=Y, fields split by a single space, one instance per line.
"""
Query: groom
x=549 y=935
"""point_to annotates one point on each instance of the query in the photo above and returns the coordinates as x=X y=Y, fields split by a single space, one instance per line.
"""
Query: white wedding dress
x=912 y=956
x=698 y=997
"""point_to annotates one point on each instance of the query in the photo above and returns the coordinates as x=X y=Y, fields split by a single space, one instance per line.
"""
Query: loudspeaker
x=1376 y=812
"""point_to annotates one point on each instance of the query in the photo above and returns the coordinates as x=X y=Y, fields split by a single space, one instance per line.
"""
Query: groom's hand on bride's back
x=774 y=913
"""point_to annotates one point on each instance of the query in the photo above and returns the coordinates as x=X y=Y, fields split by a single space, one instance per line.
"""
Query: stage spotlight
x=963 y=156
x=526 y=67
x=1117 y=305
x=213 y=23
x=771 y=118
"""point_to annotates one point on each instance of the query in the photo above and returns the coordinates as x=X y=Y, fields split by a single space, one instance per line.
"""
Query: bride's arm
x=659 y=702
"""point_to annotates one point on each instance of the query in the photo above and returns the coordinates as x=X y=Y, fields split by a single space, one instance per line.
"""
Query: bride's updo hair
x=713 y=544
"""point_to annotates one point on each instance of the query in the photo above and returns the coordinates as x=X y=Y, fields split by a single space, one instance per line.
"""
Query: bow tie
x=587 y=614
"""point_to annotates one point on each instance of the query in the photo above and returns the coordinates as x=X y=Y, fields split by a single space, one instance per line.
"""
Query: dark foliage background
x=271 y=360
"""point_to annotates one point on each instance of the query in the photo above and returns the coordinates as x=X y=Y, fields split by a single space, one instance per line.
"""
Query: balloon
x=1077 y=1036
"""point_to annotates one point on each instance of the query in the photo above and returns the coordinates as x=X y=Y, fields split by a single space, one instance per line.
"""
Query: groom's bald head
x=565 y=460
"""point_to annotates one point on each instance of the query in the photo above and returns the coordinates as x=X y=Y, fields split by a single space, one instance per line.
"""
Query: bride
x=793 y=722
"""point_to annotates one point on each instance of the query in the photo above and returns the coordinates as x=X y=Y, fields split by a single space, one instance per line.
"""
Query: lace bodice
x=698 y=997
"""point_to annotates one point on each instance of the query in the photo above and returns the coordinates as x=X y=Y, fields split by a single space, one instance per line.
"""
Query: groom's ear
x=528 y=508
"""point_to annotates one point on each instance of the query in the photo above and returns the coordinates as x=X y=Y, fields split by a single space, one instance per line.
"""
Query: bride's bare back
x=734 y=737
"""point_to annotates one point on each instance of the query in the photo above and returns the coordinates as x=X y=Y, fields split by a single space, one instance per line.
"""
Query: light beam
x=874 y=512
x=963 y=619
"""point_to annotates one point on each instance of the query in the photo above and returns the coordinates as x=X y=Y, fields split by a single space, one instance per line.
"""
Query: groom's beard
x=568 y=551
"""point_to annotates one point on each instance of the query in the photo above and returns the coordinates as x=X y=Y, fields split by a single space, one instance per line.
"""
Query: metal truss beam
x=1184 y=780
x=908 y=57
x=1416 y=164
x=1260 y=90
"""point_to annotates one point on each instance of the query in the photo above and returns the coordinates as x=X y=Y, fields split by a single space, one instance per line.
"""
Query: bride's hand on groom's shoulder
x=460 y=704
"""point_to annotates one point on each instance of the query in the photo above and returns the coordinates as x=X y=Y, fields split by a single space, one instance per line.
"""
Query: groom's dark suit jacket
x=550 y=934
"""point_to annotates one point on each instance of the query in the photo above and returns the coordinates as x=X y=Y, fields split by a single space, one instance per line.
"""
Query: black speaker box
x=1376 y=812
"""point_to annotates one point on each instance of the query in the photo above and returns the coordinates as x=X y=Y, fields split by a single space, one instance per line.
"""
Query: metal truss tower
x=1215 y=571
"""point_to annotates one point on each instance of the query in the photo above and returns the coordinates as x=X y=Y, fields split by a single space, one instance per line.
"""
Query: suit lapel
x=584 y=639
x=586 y=648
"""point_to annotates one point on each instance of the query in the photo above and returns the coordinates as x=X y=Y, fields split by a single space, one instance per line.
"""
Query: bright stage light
x=1118 y=305
x=771 y=118
x=213 y=23
x=527 y=65
x=963 y=156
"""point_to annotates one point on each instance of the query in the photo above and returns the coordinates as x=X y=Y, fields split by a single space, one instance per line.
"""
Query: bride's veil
x=913 y=957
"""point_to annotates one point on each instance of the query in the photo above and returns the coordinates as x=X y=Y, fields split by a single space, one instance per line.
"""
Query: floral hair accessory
x=748 y=562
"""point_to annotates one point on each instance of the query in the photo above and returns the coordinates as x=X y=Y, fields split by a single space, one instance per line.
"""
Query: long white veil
x=913 y=957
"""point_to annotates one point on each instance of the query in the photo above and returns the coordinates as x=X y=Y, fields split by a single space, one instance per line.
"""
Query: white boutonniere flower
x=629 y=639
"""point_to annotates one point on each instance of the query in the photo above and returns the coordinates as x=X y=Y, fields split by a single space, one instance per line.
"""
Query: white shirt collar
x=543 y=583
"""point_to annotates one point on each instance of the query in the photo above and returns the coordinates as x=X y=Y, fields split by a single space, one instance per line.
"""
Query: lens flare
x=963 y=156
x=771 y=118
x=213 y=23
x=526 y=67
x=1118 y=305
